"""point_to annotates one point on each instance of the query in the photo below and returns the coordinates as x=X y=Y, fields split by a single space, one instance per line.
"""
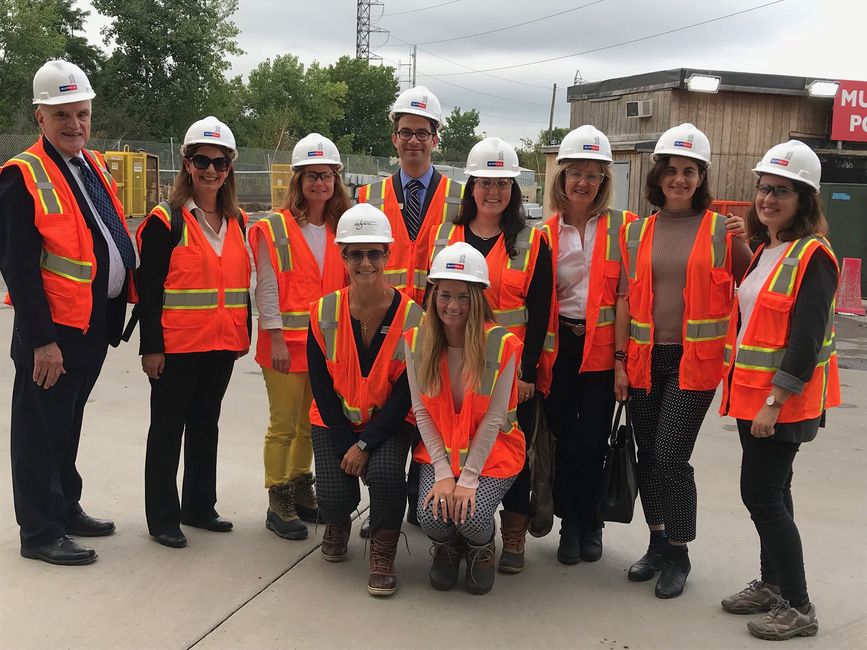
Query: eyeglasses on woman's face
x=779 y=191
x=357 y=256
x=591 y=178
x=486 y=184
x=312 y=177
x=445 y=297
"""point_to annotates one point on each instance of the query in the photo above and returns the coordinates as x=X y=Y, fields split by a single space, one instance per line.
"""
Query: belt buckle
x=579 y=329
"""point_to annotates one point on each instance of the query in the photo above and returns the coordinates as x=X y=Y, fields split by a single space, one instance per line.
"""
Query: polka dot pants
x=666 y=423
x=476 y=530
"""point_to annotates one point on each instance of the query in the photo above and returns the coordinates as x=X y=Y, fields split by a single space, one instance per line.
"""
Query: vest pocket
x=186 y=269
x=183 y=319
x=721 y=294
x=774 y=311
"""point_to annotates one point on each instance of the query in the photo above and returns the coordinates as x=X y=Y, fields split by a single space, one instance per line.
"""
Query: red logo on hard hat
x=591 y=147
x=68 y=87
x=315 y=154
x=685 y=144
x=495 y=163
x=211 y=134
x=454 y=266
x=780 y=161
x=418 y=104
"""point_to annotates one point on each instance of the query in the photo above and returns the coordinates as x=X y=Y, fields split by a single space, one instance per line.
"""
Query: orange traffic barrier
x=737 y=208
x=849 y=291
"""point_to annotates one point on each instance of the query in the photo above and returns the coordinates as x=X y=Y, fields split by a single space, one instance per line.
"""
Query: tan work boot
x=481 y=567
x=513 y=527
x=756 y=598
x=383 y=548
x=305 y=498
x=335 y=540
x=282 y=517
x=783 y=622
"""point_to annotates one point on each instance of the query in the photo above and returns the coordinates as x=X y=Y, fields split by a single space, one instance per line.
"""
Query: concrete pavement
x=249 y=589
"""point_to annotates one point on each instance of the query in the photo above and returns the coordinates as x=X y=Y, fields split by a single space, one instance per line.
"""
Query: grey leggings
x=476 y=530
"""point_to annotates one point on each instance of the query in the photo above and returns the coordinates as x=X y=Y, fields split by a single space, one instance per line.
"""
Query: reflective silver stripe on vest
x=190 y=298
x=49 y=198
x=755 y=358
x=376 y=193
x=396 y=278
x=523 y=245
x=606 y=316
x=281 y=241
x=65 y=267
x=444 y=233
x=454 y=195
x=233 y=298
x=511 y=421
x=420 y=279
x=634 y=232
x=784 y=280
x=639 y=332
x=511 y=317
x=550 y=341
x=167 y=209
x=616 y=219
x=352 y=414
x=718 y=241
x=328 y=323
x=411 y=320
x=295 y=320
x=706 y=330
x=102 y=170
x=492 y=360
x=727 y=354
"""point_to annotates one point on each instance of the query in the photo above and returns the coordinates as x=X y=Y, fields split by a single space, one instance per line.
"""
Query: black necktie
x=412 y=209
x=101 y=201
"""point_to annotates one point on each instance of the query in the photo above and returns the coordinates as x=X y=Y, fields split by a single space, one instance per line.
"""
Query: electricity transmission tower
x=363 y=29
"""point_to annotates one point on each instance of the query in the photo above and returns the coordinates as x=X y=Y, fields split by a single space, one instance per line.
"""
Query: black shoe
x=83 y=525
x=651 y=562
x=216 y=525
x=674 y=571
x=591 y=545
x=412 y=514
x=63 y=550
x=172 y=539
x=569 y=550
x=364 y=531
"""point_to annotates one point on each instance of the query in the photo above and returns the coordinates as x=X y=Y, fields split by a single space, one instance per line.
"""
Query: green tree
x=530 y=153
x=458 y=134
x=166 y=69
x=371 y=90
x=33 y=32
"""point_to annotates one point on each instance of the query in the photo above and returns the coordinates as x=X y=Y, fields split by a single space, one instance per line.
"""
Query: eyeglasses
x=502 y=184
x=420 y=134
x=357 y=256
x=312 y=177
x=463 y=299
x=779 y=191
x=590 y=179
x=220 y=164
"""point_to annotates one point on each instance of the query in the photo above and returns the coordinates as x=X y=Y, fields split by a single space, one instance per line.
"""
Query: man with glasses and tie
x=67 y=258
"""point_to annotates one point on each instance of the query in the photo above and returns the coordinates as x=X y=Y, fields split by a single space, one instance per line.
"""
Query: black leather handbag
x=620 y=476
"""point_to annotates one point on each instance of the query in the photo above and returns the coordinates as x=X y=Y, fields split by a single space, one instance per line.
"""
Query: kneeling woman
x=462 y=372
x=359 y=415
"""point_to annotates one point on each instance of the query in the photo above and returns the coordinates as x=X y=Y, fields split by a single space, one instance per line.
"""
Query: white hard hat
x=493 y=158
x=417 y=101
x=315 y=149
x=793 y=160
x=585 y=143
x=363 y=224
x=209 y=130
x=683 y=140
x=61 y=82
x=460 y=261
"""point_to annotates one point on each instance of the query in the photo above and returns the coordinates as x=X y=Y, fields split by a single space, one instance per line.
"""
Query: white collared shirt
x=573 y=267
x=215 y=239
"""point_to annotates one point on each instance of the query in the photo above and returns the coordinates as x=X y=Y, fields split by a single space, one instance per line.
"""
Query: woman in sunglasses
x=297 y=262
x=462 y=371
x=360 y=413
x=781 y=375
x=521 y=292
x=195 y=322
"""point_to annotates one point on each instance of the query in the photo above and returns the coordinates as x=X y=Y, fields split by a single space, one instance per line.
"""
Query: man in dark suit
x=67 y=257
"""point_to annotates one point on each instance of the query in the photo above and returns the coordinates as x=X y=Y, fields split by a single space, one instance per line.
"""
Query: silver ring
x=442 y=500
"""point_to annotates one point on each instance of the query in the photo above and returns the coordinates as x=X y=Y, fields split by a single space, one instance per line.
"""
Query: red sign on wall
x=850 y=112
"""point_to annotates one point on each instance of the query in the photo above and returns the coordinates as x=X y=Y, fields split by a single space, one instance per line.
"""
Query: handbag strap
x=616 y=424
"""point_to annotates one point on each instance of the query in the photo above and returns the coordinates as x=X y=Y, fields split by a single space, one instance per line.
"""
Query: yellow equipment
x=138 y=179
x=281 y=175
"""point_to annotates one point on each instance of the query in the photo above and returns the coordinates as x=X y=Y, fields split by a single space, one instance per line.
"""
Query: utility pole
x=414 y=62
x=551 y=117
x=363 y=29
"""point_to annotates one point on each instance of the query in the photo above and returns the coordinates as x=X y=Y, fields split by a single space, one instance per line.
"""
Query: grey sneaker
x=755 y=599
x=783 y=622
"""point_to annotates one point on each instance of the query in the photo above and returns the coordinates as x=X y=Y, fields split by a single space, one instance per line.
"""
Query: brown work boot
x=756 y=598
x=383 y=548
x=305 y=498
x=335 y=540
x=513 y=527
x=282 y=517
x=446 y=563
x=481 y=567
x=783 y=622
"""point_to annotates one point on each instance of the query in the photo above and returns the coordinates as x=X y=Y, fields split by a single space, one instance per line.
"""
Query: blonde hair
x=182 y=190
x=334 y=207
x=559 y=201
x=432 y=343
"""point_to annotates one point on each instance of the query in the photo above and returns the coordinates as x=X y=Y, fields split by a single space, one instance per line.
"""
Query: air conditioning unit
x=640 y=108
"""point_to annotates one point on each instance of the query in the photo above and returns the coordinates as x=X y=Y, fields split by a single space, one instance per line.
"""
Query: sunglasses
x=220 y=164
x=357 y=256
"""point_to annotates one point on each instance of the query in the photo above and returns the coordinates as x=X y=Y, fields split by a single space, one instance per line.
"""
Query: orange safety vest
x=361 y=396
x=506 y=458
x=763 y=347
x=707 y=302
x=605 y=268
x=510 y=283
x=204 y=295
x=67 y=260
x=408 y=260
x=299 y=282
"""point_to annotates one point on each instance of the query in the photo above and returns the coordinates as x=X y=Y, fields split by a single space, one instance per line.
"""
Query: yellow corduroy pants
x=288 y=450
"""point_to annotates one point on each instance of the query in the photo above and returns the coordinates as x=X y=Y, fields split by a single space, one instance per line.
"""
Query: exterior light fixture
x=703 y=83
x=822 y=88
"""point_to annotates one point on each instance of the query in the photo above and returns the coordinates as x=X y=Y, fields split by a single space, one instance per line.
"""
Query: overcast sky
x=817 y=38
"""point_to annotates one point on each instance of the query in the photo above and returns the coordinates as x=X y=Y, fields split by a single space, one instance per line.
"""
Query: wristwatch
x=361 y=445
x=773 y=402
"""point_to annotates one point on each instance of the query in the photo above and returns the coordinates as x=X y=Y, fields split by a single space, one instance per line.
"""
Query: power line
x=508 y=99
x=608 y=47
x=501 y=117
x=412 y=11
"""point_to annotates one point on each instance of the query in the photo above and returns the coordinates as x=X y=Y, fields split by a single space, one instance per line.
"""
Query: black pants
x=46 y=429
x=666 y=422
x=580 y=408
x=766 y=490
x=185 y=403
x=517 y=499
x=339 y=493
